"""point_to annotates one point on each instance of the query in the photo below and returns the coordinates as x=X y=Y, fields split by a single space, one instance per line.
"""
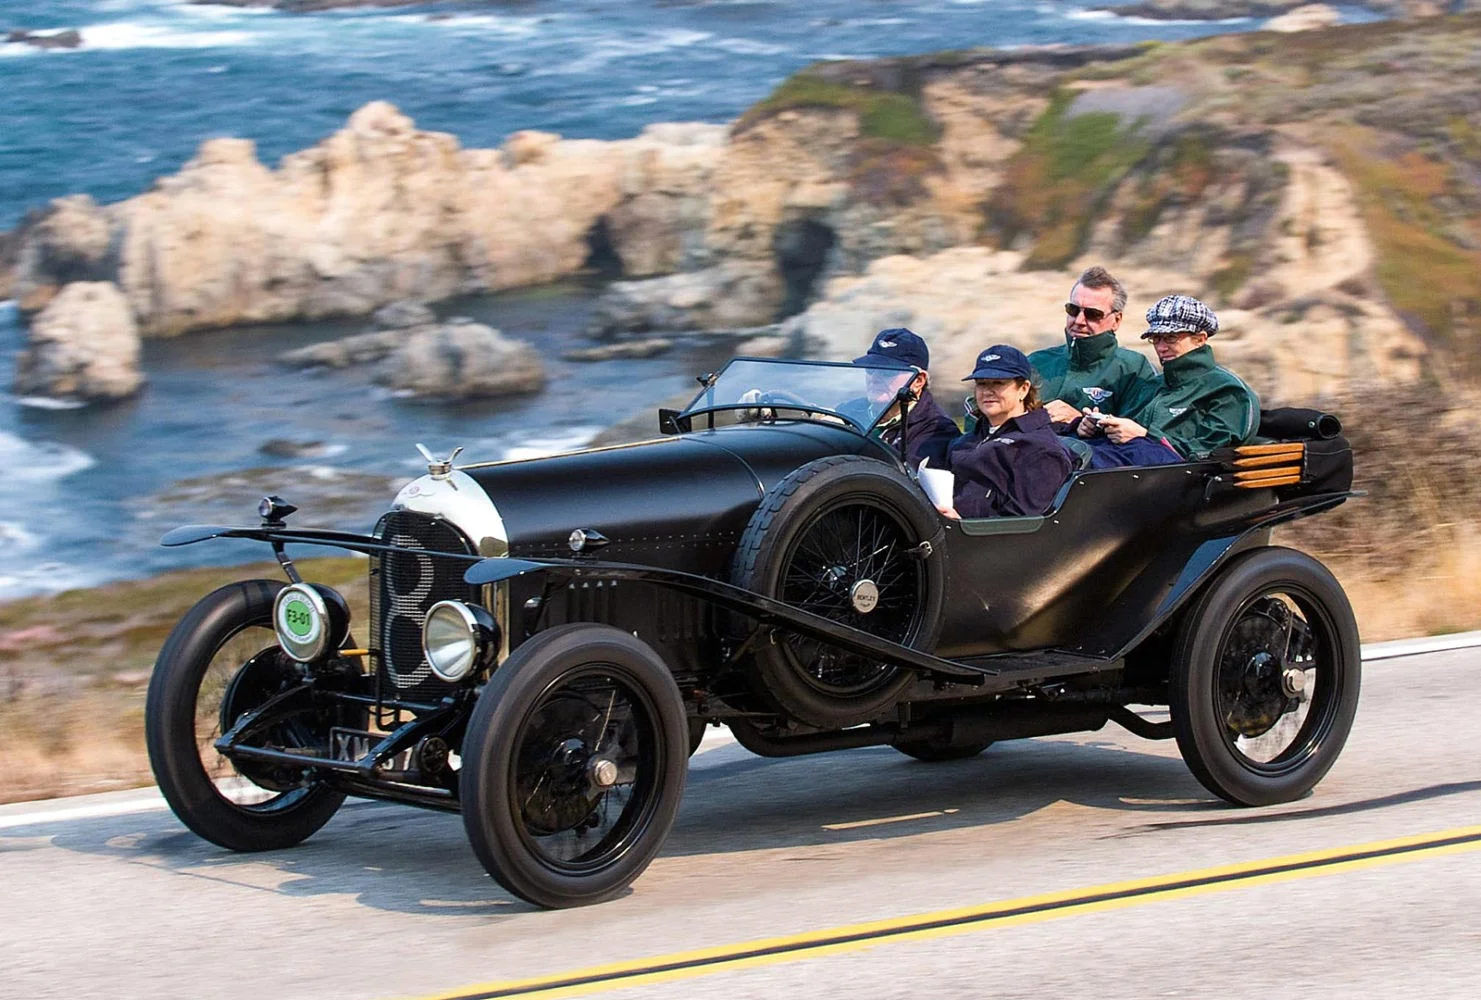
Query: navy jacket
x=928 y=432
x=1014 y=472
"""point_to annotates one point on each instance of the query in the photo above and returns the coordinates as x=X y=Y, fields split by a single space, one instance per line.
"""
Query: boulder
x=1308 y=18
x=402 y=315
x=73 y=239
x=360 y=349
x=647 y=348
x=462 y=360
x=738 y=293
x=83 y=345
x=68 y=39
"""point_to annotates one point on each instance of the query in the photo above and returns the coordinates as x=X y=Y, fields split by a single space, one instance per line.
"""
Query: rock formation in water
x=84 y=345
x=458 y=359
x=378 y=212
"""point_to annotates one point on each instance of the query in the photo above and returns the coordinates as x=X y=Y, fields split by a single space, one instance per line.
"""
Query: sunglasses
x=1167 y=338
x=1091 y=314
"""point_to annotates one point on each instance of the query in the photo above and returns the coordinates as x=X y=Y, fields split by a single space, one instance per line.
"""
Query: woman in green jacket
x=1199 y=406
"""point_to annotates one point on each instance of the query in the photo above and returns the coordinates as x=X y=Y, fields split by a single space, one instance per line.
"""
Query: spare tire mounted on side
x=840 y=537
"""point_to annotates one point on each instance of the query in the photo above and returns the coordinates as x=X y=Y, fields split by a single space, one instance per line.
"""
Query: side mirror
x=670 y=422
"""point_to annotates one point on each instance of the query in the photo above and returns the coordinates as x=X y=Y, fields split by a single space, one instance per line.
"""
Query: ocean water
x=86 y=492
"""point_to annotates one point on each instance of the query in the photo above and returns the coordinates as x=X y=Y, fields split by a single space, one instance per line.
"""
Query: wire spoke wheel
x=841 y=538
x=1265 y=678
x=246 y=670
x=220 y=662
x=1275 y=686
x=574 y=764
x=586 y=771
x=850 y=566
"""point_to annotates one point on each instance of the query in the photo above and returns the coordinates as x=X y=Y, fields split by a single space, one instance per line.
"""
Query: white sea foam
x=15 y=537
x=122 y=35
x=1109 y=16
x=748 y=47
x=553 y=444
x=512 y=27
x=47 y=578
x=48 y=403
x=27 y=462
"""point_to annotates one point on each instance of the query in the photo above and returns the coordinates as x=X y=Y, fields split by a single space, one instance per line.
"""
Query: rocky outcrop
x=402 y=315
x=83 y=345
x=1217 y=10
x=73 y=239
x=649 y=347
x=67 y=39
x=738 y=293
x=379 y=212
x=459 y=359
x=1306 y=18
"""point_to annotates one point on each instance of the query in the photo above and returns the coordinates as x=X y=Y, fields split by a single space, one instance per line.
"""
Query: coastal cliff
x=1324 y=180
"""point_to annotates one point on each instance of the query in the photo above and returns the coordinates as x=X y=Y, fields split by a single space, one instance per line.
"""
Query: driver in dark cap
x=1012 y=462
x=928 y=430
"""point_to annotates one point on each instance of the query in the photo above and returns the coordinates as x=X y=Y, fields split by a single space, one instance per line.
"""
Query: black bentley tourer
x=548 y=638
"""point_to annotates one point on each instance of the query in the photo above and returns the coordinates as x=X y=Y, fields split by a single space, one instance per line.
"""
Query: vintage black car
x=548 y=638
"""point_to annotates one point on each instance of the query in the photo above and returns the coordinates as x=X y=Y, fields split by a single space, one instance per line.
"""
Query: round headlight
x=457 y=638
x=310 y=620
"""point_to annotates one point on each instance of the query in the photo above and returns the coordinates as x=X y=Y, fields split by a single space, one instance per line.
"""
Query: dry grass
x=74 y=668
x=1406 y=554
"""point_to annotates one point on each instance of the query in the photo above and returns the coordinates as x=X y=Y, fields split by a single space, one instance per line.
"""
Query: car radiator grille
x=403 y=586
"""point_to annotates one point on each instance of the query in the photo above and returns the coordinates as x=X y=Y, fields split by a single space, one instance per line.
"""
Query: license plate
x=351 y=744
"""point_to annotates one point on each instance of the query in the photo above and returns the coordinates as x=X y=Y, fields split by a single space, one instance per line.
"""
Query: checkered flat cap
x=1181 y=314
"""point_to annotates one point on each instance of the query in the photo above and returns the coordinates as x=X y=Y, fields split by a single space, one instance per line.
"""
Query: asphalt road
x=388 y=901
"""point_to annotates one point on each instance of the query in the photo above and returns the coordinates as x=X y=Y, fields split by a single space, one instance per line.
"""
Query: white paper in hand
x=939 y=484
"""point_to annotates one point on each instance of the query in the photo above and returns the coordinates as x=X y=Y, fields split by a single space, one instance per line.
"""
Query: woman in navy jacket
x=1012 y=463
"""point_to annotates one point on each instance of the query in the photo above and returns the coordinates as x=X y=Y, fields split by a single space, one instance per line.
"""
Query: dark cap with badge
x=1180 y=314
x=1001 y=361
x=897 y=348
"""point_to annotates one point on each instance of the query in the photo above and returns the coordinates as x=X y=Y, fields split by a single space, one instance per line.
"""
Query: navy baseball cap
x=1180 y=314
x=1001 y=361
x=897 y=347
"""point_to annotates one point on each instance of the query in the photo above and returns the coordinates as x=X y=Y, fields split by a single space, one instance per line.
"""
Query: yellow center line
x=856 y=824
x=947 y=923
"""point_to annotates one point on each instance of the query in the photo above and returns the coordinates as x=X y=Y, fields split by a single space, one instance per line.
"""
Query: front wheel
x=221 y=661
x=1265 y=677
x=574 y=765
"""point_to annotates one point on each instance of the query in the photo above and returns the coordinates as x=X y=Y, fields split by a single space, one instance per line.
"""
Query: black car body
x=548 y=637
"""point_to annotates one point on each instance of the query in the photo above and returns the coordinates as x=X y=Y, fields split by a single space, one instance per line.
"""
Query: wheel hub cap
x=865 y=596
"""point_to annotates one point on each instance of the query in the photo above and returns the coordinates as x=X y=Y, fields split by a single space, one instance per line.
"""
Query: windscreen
x=760 y=389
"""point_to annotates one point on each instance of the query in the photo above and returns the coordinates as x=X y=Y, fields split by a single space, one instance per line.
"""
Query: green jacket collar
x=1087 y=352
x=1189 y=368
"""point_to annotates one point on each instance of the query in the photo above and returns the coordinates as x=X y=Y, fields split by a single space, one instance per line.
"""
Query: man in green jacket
x=1090 y=370
x=1198 y=408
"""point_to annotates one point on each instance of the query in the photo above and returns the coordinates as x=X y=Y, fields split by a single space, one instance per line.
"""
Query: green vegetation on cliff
x=1055 y=187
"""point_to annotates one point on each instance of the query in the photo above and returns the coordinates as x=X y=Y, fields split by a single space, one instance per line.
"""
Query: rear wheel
x=221 y=661
x=840 y=537
x=1265 y=678
x=574 y=765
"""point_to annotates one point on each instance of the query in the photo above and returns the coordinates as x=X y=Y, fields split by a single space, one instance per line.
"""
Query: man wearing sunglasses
x=1199 y=406
x=1091 y=370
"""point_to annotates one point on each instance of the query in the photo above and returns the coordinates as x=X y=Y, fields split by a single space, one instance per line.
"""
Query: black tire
x=940 y=750
x=802 y=525
x=538 y=727
x=1270 y=615
x=174 y=716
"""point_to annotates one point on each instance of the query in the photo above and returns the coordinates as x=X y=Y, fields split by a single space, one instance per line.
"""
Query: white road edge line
x=107 y=804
